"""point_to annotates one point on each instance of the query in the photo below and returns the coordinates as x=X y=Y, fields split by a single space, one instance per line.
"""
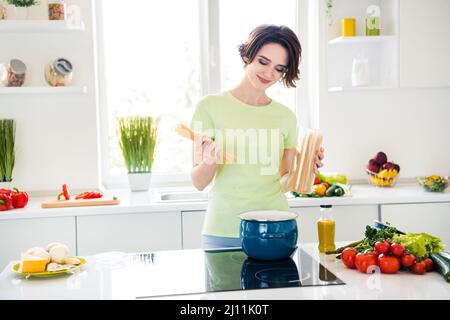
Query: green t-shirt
x=257 y=137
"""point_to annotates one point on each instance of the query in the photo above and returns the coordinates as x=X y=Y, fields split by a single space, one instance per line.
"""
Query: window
x=237 y=19
x=150 y=62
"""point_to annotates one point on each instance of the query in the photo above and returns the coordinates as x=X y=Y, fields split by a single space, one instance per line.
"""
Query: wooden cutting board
x=79 y=203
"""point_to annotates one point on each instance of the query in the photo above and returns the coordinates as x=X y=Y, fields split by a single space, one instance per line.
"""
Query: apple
x=380 y=158
x=373 y=166
x=388 y=166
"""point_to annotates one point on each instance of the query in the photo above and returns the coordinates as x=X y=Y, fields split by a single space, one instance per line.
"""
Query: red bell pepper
x=6 y=191
x=5 y=202
x=88 y=195
x=19 y=198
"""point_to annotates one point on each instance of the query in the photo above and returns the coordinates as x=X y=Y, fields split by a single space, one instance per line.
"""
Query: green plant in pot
x=18 y=9
x=7 y=154
x=137 y=140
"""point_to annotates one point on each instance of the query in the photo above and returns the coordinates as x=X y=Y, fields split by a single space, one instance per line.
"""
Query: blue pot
x=268 y=235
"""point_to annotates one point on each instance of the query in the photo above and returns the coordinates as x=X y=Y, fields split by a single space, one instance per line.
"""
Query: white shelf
x=39 y=26
x=367 y=88
x=43 y=90
x=360 y=40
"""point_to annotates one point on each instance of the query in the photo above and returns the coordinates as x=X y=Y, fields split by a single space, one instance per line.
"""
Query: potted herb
x=7 y=155
x=18 y=9
x=137 y=139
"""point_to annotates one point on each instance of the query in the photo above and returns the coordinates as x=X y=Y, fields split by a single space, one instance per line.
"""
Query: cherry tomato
x=382 y=247
x=348 y=257
x=419 y=267
x=408 y=260
x=428 y=264
x=388 y=264
x=373 y=253
x=397 y=249
x=364 y=260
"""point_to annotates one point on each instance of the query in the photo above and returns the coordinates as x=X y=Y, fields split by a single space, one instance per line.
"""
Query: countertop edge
x=135 y=203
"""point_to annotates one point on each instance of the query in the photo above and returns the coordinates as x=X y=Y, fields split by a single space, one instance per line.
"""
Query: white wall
x=56 y=137
x=410 y=125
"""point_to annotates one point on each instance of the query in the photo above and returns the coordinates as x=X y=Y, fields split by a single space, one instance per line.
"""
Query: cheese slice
x=31 y=263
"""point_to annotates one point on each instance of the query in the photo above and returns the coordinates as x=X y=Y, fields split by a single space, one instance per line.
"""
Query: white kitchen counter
x=117 y=278
x=146 y=202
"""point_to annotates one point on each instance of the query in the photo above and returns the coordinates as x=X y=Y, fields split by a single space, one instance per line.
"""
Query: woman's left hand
x=318 y=160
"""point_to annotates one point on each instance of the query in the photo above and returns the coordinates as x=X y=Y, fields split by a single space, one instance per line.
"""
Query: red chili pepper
x=19 y=198
x=5 y=202
x=65 y=193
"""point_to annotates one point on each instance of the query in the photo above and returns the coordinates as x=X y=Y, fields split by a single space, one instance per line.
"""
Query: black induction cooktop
x=181 y=272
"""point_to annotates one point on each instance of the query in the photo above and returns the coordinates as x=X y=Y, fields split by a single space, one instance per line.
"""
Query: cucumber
x=442 y=264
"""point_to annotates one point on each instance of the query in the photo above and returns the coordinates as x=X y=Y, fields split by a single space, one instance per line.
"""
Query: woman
x=260 y=132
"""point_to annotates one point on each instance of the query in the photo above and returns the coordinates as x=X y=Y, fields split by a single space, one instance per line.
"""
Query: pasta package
x=301 y=170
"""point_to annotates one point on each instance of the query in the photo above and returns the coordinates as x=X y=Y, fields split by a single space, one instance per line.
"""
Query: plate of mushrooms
x=52 y=260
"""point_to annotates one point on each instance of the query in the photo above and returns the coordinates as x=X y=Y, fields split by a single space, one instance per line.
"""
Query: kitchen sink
x=183 y=197
x=190 y=196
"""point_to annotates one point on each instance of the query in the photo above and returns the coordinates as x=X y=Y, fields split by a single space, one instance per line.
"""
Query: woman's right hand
x=205 y=149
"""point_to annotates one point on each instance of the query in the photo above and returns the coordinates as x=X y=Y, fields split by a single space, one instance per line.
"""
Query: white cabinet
x=432 y=218
x=192 y=229
x=134 y=232
x=18 y=235
x=351 y=222
x=424 y=43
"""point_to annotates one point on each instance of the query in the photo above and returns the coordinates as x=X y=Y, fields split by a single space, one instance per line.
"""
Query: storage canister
x=59 y=72
x=56 y=10
x=348 y=27
x=16 y=73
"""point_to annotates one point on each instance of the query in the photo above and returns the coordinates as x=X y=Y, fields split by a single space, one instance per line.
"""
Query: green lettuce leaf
x=420 y=244
x=332 y=177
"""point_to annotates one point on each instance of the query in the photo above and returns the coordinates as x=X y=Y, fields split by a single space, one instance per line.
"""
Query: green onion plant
x=7 y=155
x=137 y=139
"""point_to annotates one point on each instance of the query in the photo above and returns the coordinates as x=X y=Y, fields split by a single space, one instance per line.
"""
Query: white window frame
x=211 y=82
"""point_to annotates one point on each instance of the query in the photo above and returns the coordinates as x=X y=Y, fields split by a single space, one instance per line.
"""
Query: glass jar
x=326 y=228
x=16 y=73
x=59 y=72
x=56 y=10
x=2 y=11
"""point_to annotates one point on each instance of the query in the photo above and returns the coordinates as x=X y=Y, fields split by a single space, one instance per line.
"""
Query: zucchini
x=339 y=192
x=330 y=190
x=442 y=264
x=445 y=255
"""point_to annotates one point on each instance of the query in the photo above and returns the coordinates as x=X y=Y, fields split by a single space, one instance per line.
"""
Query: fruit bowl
x=384 y=178
x=433 y=183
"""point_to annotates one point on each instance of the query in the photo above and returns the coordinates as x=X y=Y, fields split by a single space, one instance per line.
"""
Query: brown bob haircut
x=282 y=35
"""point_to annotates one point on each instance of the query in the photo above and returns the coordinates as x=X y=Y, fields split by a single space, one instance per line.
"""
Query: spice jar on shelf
x=56 y=10
x=16 y=73
x=58 y=73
